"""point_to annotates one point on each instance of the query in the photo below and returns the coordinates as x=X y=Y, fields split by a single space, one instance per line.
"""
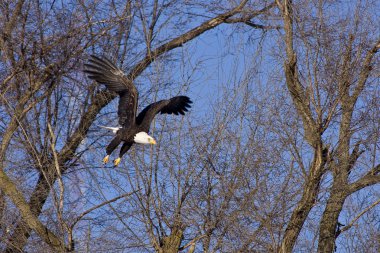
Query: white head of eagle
x=144 y=138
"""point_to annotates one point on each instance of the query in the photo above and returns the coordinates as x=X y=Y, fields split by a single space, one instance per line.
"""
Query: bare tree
x=279 y=154
x=48 y=110
x=328 y=66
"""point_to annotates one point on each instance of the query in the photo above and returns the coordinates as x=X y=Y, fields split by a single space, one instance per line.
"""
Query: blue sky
x=213 y=63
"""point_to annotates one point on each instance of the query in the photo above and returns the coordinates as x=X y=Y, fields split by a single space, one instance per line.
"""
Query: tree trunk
x=329 y=223
x=306 y=203
x=299 y=215
x=172 y=242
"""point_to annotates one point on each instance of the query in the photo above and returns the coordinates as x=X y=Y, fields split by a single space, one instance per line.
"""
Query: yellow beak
x=152 y=141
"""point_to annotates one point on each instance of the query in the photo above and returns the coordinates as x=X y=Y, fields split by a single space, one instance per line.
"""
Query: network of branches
x=279 y=153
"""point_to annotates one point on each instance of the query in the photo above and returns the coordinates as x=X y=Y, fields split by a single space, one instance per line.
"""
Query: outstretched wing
x=105 y=72
x=175 y=105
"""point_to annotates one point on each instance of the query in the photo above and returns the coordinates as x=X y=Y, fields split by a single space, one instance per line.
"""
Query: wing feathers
x=105 y=72
x=104 y=62
x=176 y=105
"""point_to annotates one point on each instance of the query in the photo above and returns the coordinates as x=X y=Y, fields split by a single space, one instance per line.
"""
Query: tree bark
x=171 y=243
x=329 y=224
x=306 y=203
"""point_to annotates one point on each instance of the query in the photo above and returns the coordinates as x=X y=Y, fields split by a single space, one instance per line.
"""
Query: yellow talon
x=106 y=158
x=117 y=161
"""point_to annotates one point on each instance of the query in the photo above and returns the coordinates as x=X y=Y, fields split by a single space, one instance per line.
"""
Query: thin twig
x=100 y=205
x=60 y=182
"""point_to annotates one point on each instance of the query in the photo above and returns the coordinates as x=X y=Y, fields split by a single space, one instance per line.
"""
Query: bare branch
x=182 y=39
x=59 y=177
x=365 y=70
x=246 y=18
x=372 y=177
x=300 y=100
x=77 y=219
x=352 y=223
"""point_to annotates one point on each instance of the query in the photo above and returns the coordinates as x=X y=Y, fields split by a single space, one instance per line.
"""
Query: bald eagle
x=132 y=129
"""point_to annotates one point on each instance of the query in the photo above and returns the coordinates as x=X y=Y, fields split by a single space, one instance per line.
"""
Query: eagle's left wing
x=176 y=105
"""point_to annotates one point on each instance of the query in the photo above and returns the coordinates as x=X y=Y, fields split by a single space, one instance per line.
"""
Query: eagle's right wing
x=105 y=72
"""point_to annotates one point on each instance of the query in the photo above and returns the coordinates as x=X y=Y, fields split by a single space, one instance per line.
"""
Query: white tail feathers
x=113 y=129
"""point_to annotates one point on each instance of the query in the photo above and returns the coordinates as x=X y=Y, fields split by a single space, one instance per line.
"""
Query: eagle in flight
x=132 y=129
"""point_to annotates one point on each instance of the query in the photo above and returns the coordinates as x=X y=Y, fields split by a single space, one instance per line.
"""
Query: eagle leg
x=126 y=146
x=111 y=147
